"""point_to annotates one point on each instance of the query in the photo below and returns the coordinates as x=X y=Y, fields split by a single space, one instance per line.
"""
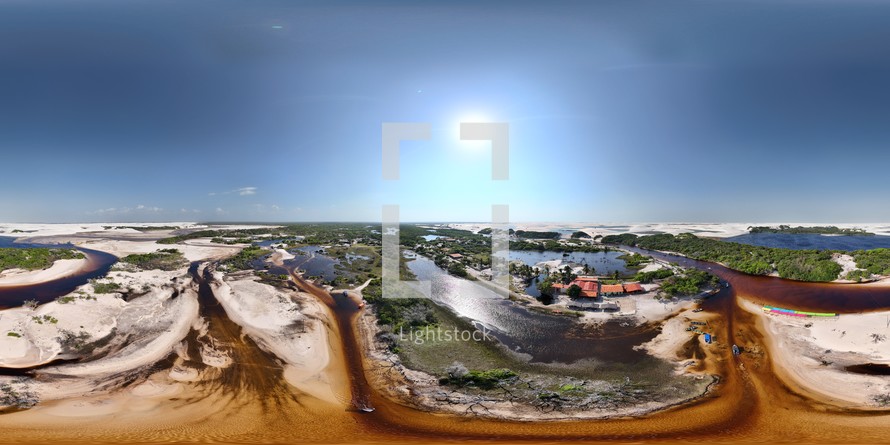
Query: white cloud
x=125 y=210
x=242 y=191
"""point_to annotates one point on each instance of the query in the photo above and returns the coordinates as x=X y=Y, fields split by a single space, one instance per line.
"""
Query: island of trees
x=821 y=230
x=531 y=234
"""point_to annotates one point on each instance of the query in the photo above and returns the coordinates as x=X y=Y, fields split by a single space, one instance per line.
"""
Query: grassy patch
x=164 y=259
x=100 y=287
x=44 y=319
x=34 y=258
x=242 y=260
x=487 y=379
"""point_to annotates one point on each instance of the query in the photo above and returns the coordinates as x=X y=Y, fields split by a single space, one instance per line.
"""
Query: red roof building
x=612 y=289
x=633 y=288
x=589 y=286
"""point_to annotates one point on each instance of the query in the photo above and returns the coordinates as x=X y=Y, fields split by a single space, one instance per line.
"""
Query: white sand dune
x=59 y=269
x=810 y=353
x=293 y=332
x=154 y=322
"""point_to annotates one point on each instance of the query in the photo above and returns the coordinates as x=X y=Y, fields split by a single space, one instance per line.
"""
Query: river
x=98 y=265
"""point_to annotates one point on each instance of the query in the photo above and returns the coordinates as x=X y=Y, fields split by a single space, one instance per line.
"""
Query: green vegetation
x=803 y=265
x=815 y=266
x=822 y=230
x=876 y=261
x=858 y=275
x=44 y=319
x=489 y=379
x=232 y=233
x=397 y=314
x=100 y=287
x=230 y=241
x=458 y=269
x=523 y=271
x=531 y=234
x=359 y=263
x=554 y=246
x=412 y=234
x=106 y=288
x=627 y=239
x=545 y=287
x=635 y=259
x=332 y=234
x=574 y=291
x=34 y=258
x=14 y=334
x=579 y=235
x=568 y=387
x=164 y=259
x=691 y=282
x=242 y=260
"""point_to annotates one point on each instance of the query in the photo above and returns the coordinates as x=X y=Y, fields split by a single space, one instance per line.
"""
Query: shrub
x=480 y=379
x=164 y=259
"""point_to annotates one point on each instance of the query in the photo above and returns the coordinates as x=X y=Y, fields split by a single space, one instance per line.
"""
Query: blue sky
x=272 y=111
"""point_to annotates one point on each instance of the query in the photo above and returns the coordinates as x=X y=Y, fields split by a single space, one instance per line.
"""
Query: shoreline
x=59 y=269
x=421 y=391
x=807 y=355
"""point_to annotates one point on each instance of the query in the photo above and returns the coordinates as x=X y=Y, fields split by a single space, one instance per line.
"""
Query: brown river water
x=253 y=404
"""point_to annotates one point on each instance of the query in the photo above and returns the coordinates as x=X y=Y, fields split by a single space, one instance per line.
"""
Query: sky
x=618 y=111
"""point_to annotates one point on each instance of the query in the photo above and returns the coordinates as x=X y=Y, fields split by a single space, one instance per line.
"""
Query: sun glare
x=471 y=116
